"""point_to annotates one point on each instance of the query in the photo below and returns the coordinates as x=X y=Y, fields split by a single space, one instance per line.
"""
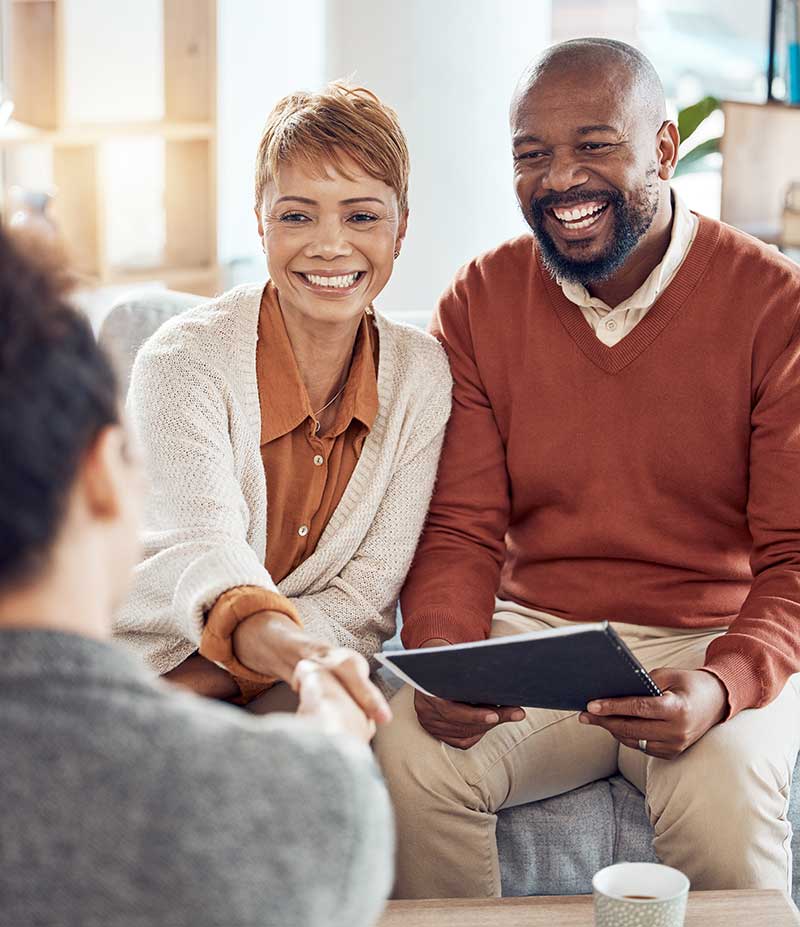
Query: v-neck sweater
x=194 y=407
x=655 y=482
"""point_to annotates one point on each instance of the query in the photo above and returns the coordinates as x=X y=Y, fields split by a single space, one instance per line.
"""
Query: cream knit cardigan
x=194 y=408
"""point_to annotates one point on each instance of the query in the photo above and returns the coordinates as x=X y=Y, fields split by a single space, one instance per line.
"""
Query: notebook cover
x=539 y=670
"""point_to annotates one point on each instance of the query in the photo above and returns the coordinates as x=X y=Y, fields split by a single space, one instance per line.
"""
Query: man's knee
x=417 y=767
x=723 y=773
x=720 y=813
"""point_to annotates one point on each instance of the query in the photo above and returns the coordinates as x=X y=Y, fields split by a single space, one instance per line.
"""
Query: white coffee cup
x=639 y=895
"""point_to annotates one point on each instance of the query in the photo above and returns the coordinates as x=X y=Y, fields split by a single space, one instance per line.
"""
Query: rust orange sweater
x=655 y=482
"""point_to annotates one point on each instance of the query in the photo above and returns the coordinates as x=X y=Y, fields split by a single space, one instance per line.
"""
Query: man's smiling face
x=586 y=170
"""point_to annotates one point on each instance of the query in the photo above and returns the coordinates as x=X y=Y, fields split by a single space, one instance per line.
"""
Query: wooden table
x=705 y=909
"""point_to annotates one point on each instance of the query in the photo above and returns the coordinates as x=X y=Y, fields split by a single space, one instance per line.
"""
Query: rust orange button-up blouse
x=306 y=473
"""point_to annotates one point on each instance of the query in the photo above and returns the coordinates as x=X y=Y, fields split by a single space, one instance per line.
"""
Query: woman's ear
x=401 y=231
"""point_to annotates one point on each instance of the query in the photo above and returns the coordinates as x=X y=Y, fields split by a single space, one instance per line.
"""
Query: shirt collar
x=684 y=228
x=283 y=396
x=360 y=397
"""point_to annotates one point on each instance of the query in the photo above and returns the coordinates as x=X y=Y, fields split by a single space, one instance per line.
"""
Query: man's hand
x=693 y=701
x=457 y=724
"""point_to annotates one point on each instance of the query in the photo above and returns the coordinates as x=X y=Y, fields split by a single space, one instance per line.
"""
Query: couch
x=550 y=847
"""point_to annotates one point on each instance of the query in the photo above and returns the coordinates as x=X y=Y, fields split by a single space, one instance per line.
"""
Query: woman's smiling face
x=330 y=240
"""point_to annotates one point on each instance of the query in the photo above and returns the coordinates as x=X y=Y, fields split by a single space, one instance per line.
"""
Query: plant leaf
x=691 y=117
x=691 y=161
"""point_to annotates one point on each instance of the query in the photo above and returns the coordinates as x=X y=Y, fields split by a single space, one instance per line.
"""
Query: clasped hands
x=335 y=689
x=332 y=683
x=691 y=703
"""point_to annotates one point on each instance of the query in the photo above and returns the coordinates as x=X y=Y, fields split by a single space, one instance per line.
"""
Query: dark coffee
x=640 y=897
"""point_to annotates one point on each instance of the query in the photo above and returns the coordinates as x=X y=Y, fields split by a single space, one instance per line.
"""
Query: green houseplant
x=689 y=120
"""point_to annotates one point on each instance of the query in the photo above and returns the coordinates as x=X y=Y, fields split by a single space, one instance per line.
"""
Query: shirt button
x=611 y=325
x=319 y=460
x=302 y=530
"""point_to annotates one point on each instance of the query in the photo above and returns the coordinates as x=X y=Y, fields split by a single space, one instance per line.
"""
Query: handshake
x=336 y=692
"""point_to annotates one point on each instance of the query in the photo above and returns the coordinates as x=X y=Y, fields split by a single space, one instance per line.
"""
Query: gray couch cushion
x=132 y=321
x=554 y=847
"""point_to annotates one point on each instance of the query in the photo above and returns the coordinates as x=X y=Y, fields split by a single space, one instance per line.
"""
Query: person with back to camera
x=291 y=432
x=126 y=800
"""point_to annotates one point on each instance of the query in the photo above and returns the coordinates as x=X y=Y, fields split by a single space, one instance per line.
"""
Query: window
x=699 y=48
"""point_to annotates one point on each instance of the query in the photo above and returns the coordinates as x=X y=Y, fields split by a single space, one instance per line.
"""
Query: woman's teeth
x=579 y=217
x=337 y=283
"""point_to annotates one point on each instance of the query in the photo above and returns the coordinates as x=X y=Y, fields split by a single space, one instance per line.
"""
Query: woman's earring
x=397 y=254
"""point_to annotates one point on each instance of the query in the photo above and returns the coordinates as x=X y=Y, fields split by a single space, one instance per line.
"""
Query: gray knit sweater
x=126 y=803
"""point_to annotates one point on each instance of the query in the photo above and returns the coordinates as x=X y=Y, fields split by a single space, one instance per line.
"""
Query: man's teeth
x=339 y=283
x=579 y=217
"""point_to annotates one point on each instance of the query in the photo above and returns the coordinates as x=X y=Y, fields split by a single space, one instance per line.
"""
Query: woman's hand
x=324 y=699
x=351 y=671
x=272 y=644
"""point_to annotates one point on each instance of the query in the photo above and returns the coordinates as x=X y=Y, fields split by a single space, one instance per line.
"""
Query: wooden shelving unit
x=37 y=81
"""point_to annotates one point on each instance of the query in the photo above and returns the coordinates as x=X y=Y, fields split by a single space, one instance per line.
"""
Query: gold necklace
x=330 y=402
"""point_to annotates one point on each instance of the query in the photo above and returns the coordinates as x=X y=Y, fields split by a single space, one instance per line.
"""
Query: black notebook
x=562 y=668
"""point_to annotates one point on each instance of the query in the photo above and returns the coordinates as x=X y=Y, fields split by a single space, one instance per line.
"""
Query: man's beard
x=631 y=220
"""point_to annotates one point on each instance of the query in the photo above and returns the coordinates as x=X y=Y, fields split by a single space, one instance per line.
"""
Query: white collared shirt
x=612 y=325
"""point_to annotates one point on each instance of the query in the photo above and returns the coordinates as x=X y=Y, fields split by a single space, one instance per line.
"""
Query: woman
x=290 y=432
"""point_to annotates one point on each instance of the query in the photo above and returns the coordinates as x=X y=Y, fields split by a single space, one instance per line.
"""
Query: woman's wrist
x=270 y=643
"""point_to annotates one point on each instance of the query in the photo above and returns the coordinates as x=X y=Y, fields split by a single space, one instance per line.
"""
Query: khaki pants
x=719 y=810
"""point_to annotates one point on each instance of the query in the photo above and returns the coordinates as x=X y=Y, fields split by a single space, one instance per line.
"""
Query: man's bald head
x=587 y=56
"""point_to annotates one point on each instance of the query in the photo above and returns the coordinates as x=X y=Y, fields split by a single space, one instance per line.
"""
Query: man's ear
x=668 y=144
x=104 y=473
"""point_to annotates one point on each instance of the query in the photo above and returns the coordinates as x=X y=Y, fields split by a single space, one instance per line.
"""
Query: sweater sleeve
x=321 y=829
x=228 y=612
x=451 y=588
x=761 y=648
x=195 y=517
x=357 y=607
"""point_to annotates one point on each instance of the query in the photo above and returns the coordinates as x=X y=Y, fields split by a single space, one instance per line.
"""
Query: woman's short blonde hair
x=320 y=128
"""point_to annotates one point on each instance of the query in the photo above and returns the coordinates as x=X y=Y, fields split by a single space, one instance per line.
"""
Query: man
x=125 y=801
x=624 y=445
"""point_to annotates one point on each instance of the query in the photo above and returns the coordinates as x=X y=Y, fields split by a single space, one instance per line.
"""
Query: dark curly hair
x=57 y=391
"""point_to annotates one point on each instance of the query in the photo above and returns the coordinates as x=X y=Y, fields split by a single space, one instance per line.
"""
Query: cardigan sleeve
x=761 y=648
x=228 y=612
x=195 y=514
x=357 y=607
x=450 y=591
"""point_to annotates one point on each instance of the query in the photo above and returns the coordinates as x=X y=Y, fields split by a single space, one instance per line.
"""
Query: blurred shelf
x=203 y=280
x=20 y=133
x=38 y=78
x=759 y=162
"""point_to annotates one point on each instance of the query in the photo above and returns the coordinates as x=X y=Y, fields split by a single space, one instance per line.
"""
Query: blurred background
x=130 y=129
